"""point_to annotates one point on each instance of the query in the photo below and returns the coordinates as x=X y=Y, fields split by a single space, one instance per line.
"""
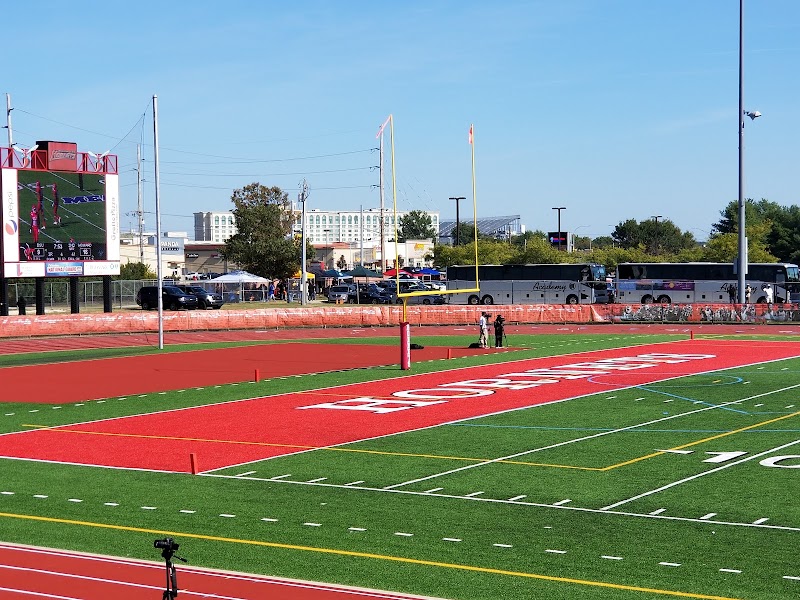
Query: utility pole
x=458 y=232
x=8 y=121
x=380 y=170
x=303 y=275
x=657 y=217
x=559 y=209
x=139 y=207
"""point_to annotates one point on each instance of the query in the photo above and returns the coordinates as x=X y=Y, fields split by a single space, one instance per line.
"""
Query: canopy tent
x=393 y=273
x=361 y=271
x=334 y=274
x=429 y=271
x=239 y=277
x=299 y=275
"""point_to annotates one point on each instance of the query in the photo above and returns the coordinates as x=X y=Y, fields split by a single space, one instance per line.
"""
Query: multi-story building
x=328 y=226
x=214 y=226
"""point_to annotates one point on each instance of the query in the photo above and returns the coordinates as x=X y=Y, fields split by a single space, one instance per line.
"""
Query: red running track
x=27 y=572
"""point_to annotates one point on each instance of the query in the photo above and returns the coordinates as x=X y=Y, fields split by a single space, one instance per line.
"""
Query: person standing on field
x=499 y=331
x=483 y=324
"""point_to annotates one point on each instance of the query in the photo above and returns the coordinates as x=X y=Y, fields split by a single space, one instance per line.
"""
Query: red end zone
x=238 y=432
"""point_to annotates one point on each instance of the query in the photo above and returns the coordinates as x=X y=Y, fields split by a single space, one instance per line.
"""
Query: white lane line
x=791 y=577
x=400 y=533
x=7 y=493
x=611 y=557
x=355 y=482
x=708 y=516
x=658 y=511
x=227 y=516
x=556 y=551
x=313 y=524
x=74 y=500
x=515 y=498
x=318 y=479
x=268 y=520
x=669 y=564
x=473 y=494
x=432 y=490
x=110 y=504
x=280 y=476
x=39 y=496
x=729 y=571
x=451 y=539
x=244 y=474
x=698 y=475
x=562 y=502
x=356 y=529
x=187 y=512
x=503 y=545
x=760 y=521
x=149 y=508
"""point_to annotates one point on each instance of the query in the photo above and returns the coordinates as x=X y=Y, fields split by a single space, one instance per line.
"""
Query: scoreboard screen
x=58 y=223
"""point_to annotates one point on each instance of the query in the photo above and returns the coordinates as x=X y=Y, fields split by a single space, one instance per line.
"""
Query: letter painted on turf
x=374 y=405
x=773 y=461
x=500 y=383
x=443 y=393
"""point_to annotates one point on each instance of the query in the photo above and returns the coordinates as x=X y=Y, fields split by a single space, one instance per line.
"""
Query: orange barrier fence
x=382 y=315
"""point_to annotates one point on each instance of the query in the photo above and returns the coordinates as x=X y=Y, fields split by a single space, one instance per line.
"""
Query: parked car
x=431 y=299
x=340 y=293
x=369 y=294
x=172 y=298
x=205 y=299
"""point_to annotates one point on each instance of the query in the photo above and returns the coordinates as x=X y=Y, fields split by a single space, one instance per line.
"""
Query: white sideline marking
x=451 y=539
x=791 y=577
x=637 y=399
x=244 y=474
x=268 y=520
x=227 y=516
x=556 y=551
x=760 y=521
x=611 y=557
x=515 y=498
x=110 y=504
x=708 y=516
x=356 y=529
x=149 y=508
x=562 y=502
x=74 y=500
x=403 y=534
x=658 y=511
x=473 y=494
x=187 y=512
x=790 y=406
x=432 y=490
x=7 y=493
x=669 y=564
x=729 y=571
x=316 y=480
x=757 y=405
x=503 y=545
x=313 y=524
x=280 y=476
x=355 y=482
x=698 y=475
x=39 y=496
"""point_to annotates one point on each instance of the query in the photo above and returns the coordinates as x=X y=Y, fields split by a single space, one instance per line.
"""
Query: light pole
x=458 y=233
x=742 y=238
x=303 y=275
x=656 y=217
x=559 y=209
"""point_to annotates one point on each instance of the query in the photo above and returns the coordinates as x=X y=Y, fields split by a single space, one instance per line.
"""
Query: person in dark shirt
x=499 y=331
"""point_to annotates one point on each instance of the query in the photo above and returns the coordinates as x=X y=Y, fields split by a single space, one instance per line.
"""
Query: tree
x=263 y=244
x=416 y=225
x=133 y=271
x=654 y=236
x=464 y=233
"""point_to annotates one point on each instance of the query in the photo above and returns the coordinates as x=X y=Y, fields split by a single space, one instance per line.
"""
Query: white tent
x=239 y=277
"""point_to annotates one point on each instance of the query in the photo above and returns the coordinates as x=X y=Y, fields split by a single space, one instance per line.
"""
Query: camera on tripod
x=166 y=544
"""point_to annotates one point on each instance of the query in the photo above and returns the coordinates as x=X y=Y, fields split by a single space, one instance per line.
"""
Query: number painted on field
x=723 y=456
x=774 y=460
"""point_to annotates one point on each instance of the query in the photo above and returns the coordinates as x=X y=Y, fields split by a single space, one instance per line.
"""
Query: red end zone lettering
x=249 y=430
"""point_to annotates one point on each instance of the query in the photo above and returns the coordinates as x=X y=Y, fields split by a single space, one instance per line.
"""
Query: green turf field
x=681 y=488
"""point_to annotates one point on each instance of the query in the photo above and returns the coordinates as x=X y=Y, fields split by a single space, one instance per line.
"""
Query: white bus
x=667 y=283
x=562 y=283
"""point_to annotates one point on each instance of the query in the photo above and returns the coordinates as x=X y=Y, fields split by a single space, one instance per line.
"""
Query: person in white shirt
x=768 y=292
x=483 y=324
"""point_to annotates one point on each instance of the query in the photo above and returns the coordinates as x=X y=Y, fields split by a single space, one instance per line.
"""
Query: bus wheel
x=487 y=299
x=473 y=301
x=572 y=299
x=664 y=300
x=426 y=300
x=647 y=299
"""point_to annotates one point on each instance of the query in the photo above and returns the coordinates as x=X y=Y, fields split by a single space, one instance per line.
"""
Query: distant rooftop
x=499 y=227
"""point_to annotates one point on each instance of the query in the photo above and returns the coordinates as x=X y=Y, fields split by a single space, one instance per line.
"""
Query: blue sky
x=615 y=109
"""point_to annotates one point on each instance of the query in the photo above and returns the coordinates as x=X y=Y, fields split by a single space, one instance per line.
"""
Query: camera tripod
x=171 y=590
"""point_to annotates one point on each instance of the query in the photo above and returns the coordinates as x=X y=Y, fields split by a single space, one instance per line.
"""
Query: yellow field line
x=399 y=559
x=708 y=439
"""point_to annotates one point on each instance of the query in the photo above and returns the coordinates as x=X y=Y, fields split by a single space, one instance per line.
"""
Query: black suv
x=205 y=299
x=173 y=298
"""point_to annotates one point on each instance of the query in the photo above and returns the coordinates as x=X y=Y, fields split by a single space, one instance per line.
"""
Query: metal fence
x=90 y=293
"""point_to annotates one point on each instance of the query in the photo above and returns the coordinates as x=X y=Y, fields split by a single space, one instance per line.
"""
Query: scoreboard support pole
x=39 y=281
x=74 y=304
x=107 y=293
x=3 y=295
